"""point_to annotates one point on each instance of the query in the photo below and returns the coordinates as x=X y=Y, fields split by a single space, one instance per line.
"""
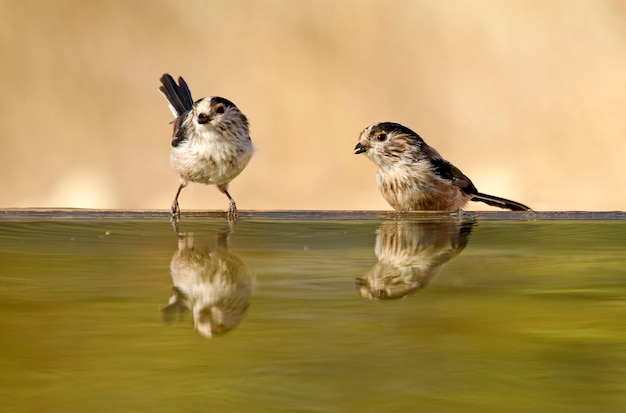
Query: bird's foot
x=175 y=215
x=232 y=212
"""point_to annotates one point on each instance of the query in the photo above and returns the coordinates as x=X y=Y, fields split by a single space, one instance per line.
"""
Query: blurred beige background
x=528 y=98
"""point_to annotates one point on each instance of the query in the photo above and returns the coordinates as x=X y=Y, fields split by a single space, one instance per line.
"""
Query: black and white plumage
x=210 y=143
x=412 y=176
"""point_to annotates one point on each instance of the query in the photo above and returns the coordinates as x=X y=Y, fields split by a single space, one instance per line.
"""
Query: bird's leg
x=175 y=210
x=232 y=206
x=232 y=209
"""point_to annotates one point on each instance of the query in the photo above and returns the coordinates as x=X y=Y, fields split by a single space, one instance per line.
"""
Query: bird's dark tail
x=499 y=202
x=178 y=95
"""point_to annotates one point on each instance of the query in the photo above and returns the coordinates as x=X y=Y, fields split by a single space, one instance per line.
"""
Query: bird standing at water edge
x=412 y=176
x=210 y=143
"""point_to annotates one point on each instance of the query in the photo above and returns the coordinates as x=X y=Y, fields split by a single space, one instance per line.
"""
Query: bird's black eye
x=203 y=118
x=219 y=109
x=381 y=137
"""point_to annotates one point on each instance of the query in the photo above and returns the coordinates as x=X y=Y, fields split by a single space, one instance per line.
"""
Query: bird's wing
x=450 y=172
x=179 y=135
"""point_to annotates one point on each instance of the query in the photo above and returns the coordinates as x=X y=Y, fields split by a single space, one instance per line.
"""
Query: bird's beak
x=359 y=149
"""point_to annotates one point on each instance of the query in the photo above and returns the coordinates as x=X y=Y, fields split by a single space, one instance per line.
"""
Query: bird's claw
x=232 y=212
x=175 y=215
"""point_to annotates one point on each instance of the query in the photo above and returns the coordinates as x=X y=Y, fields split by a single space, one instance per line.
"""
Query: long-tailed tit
x=412 y=176
x=411 y=254
x=214 y=283
x=210 y=144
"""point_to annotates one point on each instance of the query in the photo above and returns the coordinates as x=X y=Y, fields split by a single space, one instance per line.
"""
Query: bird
x=212 y=282
x=411 y=254
x=210 y=143
x=412 y=176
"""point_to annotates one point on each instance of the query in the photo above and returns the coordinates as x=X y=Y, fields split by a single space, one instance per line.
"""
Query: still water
x=312 y=313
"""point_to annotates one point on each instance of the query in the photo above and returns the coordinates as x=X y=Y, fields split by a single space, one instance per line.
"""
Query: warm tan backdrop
x=528 y=98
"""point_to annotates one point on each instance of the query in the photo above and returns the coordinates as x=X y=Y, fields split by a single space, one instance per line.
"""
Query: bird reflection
x=410 y=255
x=213 y=283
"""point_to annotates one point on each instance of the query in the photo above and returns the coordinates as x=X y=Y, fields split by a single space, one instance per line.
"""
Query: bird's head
x=216 y=113
x=387 y=143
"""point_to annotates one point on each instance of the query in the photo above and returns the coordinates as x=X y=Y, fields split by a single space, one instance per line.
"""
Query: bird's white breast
x=411 y=187
x=210 y=158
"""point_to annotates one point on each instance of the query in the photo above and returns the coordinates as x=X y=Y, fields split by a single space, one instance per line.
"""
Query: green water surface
x=312 y=314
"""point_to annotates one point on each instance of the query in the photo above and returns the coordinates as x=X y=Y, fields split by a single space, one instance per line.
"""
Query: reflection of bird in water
x=213 y=283
x=410 y=254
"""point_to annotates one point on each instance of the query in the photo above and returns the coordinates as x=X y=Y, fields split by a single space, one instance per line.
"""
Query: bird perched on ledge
x=210 y=144
x=412 y=176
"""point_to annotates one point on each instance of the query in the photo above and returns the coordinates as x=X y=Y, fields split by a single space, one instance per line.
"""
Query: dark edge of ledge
x=86 y=214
